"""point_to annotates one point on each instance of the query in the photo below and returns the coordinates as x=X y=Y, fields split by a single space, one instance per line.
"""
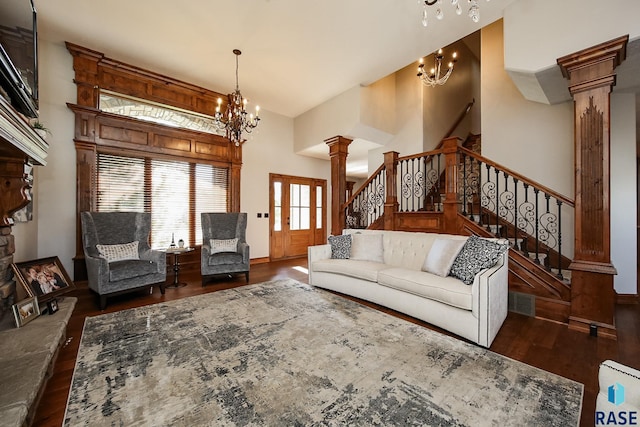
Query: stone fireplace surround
x=20 y=145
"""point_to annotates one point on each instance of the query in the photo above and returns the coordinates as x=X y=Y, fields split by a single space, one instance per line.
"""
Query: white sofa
x=475 y=312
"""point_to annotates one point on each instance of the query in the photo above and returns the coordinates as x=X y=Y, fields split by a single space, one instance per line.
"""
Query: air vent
x=522 y=303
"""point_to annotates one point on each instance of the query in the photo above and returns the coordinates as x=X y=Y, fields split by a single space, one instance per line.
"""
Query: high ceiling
x=296 y=53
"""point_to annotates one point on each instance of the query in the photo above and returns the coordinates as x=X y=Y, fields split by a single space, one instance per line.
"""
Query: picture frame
x=52 y=306
x=44 y=278
x=25 y=311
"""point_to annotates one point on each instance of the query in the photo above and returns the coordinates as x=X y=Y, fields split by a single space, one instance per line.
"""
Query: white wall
x=271 y=150
x=408 y=111
x=533 y=139
x=623 y=192
x=541 y=31
x=54 y=211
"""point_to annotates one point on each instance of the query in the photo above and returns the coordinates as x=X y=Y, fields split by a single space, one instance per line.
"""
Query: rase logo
x=615 y=395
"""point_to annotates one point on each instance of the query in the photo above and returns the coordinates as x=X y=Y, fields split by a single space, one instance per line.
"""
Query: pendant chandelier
x=433 y=78
x=235 y=119
x=474 y=10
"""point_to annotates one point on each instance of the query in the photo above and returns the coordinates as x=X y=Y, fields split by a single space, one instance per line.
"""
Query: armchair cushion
x=127 y=269
x=119 y=252
x=225 y=258
x=224 y=245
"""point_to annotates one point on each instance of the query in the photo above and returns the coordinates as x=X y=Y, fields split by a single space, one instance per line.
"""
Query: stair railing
x=420 y=181
x=366 y=205
x=512 y=206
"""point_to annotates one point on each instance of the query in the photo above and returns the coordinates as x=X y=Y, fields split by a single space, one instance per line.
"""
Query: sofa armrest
x=491 y=302
x=159 y=257
x=243 y=248
x=315 y=253
x=610 y=374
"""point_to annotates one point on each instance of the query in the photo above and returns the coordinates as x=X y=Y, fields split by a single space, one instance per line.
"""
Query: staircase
x=455 y=190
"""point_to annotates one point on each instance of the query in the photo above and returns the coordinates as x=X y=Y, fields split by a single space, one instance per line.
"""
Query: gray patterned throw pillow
x=340 y=246
x=476 y=254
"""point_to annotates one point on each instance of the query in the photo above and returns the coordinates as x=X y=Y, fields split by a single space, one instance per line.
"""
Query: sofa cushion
x=113 y=253
x=366 y=270
x=366 y=247
x=441 y=256
x=447 y=290
x=476 y=254
x=340 y=246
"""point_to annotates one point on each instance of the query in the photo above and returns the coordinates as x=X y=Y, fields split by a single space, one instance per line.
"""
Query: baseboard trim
x=627 y=299
x=262 y=260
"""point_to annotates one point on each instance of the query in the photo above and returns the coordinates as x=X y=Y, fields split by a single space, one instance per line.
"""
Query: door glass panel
x=277 y=214
x=299 y=208
x=318 y=206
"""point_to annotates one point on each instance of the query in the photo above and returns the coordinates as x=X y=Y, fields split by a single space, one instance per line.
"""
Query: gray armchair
x=118 y=277
x=224 y=226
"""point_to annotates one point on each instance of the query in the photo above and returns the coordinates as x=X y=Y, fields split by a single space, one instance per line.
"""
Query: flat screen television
x=19 y=55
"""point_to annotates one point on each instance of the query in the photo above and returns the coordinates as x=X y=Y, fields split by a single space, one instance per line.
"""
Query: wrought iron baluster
x=413 y=186
x=515 y=213
x=438 y=188
x=548 y=233
x=464 y=184
x=535 y=192
x=497 y=202
x=559 y=204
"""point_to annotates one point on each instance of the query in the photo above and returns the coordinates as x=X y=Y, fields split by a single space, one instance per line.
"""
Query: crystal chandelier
x=474 y=10
x=433 y=78
x=235 y=119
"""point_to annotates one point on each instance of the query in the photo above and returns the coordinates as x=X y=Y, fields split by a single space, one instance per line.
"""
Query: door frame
x=276 y=239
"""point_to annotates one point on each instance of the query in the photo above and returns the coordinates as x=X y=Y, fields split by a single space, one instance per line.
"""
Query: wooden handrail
x=517 y=176
x=425 y=154
x=363 y=186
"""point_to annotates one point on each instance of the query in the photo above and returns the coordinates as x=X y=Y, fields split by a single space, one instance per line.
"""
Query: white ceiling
x=296 y=54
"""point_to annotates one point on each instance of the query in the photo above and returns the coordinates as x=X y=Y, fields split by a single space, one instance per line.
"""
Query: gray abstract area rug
x=283 y=353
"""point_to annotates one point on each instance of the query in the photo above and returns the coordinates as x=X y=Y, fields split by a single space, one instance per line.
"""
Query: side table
x=176 y=265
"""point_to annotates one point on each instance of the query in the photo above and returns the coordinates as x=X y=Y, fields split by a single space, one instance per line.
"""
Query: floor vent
x=522 y=303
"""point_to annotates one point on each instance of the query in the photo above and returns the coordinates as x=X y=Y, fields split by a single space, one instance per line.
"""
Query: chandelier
x=474 y=10
x=433 y=78
x=235 y=119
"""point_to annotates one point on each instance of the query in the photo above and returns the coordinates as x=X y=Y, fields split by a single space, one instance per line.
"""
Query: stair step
x=541 y=257
x=495 y=229
x=515 y=243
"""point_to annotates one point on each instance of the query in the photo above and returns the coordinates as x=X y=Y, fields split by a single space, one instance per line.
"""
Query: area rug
x=285 y=353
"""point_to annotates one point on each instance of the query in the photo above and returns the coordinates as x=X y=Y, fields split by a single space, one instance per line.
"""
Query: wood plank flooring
x=546 y=345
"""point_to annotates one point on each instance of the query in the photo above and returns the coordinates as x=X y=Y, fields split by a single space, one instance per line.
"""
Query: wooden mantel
x=20 y=145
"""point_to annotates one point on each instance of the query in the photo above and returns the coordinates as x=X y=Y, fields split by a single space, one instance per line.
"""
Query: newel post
x=338 y=152
x=591 y=79
x=450 y=208
x=391 y=189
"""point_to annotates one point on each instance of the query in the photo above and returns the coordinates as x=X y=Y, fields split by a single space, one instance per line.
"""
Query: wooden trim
x=627 y=299
x=263 y=260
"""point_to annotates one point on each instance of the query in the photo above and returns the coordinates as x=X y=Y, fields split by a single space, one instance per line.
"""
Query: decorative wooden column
x=591 y=78
x=450 y=208
x=391 y=188
x=338 y=152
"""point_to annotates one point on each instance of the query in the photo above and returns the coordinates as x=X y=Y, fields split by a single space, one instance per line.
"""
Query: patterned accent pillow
x=476 y=254
x=226 y=245
x=340 y=246
x=121 y=252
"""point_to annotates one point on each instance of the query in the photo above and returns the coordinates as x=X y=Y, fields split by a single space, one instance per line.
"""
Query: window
x=175 y=192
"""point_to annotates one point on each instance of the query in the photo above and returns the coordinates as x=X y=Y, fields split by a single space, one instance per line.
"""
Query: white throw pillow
x=226 y=245
x=367 y=247
x=441 y=256
x=121 y=252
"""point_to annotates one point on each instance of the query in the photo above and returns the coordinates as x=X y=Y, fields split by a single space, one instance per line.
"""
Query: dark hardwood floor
x=546 y=345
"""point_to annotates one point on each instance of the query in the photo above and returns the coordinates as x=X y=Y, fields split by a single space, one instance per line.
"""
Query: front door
x=297 y=214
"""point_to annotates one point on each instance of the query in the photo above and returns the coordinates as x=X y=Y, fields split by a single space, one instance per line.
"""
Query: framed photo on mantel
x=44 y=278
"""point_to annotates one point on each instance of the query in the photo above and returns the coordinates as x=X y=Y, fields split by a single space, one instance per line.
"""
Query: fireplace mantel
x=20 y=145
